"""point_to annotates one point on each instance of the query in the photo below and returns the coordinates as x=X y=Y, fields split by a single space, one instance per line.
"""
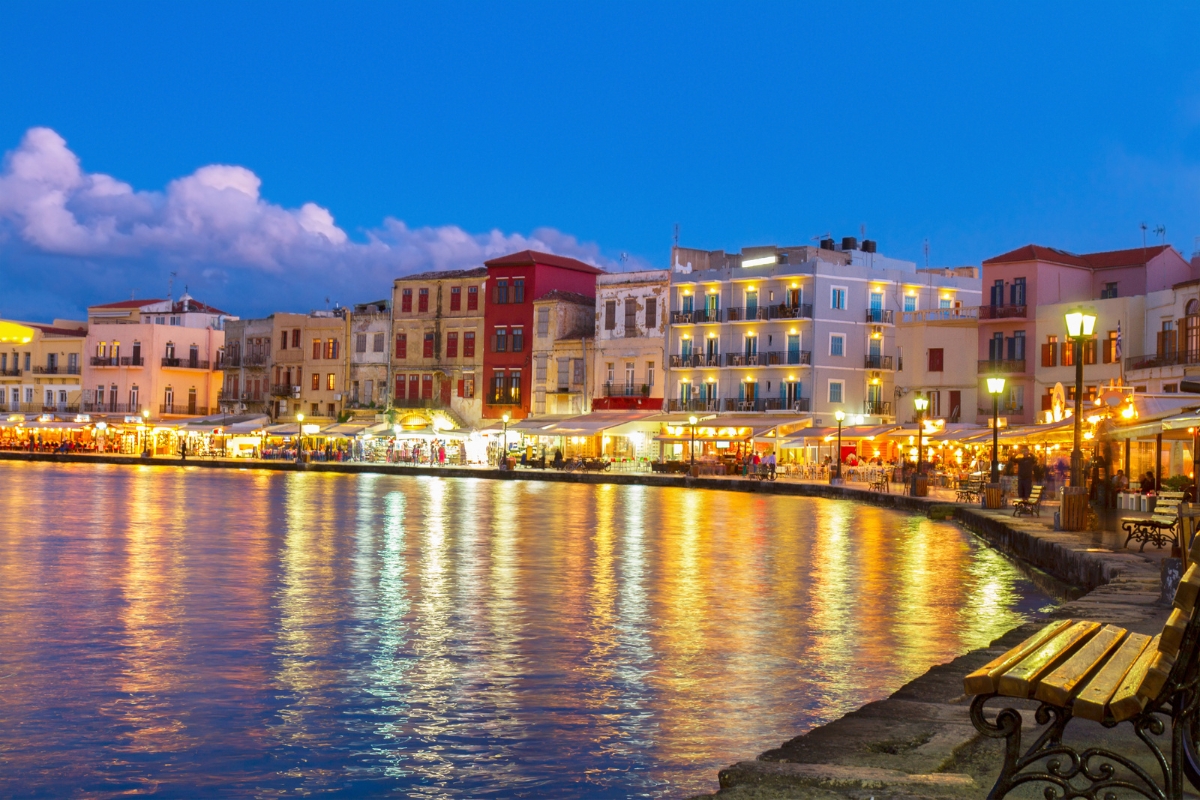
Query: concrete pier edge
x=857 y=752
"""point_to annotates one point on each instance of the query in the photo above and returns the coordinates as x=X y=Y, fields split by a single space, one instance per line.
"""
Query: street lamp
x=146 y=433
x=504 y=446
x=995 y=387
x=921 y=403
x=299 y=437
x=1080 y=323
x=840 y=416
x=693 y=422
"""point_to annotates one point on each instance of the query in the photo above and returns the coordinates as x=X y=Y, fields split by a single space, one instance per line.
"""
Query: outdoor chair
x=1031 y=505
x=1108 y=675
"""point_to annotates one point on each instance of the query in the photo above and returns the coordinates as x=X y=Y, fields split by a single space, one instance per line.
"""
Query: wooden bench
x=1159 y=528
x=1031 y=505
x=1106 y=674
x=969 y=492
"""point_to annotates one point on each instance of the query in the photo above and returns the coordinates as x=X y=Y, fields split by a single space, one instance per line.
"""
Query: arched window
x=1193 y=307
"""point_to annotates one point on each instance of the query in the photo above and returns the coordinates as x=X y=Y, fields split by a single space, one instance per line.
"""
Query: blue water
x=195 y=632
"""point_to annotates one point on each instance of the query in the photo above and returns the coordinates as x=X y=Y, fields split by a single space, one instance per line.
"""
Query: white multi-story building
x=631 y=326
x=802 y=330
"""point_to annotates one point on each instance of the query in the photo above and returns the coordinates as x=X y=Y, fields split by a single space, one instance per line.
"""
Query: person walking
x=183 y=450
x=1025 y=465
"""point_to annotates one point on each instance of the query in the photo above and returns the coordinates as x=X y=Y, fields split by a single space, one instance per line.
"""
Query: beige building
x=563 y=353
x=1170 y=340
x=158 y=355
x=41 y=366
x=437 y=344
x=936 y=358
x=308 y=369
x=247 y=388
x=370 y=328
x=630 y=330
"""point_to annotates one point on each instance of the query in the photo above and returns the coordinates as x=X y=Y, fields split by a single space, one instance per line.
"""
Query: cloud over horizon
x=70 y=238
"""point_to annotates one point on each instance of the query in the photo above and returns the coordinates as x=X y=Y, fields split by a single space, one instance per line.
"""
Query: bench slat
x=1125 y=701
x=1092 y=698
x=983 y=680
x=1172 y=633
x=1019 y=681
x=1194 y=550
x=1156 y=676
x=1058 y=687
x=1189 y=589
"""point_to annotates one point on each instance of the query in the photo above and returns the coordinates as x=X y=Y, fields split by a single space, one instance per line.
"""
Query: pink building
x=1017 y=282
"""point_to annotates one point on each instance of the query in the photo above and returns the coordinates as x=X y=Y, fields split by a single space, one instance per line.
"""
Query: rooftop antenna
x=1161 y=233
x=677 y=234
x=862 y=231
x=326 y=302
x=1143 y=226
x=926 y=253
x=820 y=236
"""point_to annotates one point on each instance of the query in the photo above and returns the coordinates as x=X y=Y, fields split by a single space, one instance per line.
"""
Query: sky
x=282 y=156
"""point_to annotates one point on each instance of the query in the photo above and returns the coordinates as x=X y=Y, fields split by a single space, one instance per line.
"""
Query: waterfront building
x=799 y=330
x=1102 y=361
x=1034 y=276
x=631 y=324
x=41 y=366
x=163 y=356
x=563 y=331
x=370 y=330
x=1170 y=334
x=514 y=282
x=931 y=361
x=247 y=373
x=437 y=348
x=308 y=367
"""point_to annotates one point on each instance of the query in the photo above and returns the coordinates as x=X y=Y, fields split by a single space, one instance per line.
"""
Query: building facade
x=1034 y=276
x=308 y=367
x=370 y=331
x=630 y=331
x=932 y=363
x=163 y=356
x=563 y=333
x=1170 y=343
x=803 y=330
x=437 y=343
x=514 y=282
x=41 y=366
x=247 y=373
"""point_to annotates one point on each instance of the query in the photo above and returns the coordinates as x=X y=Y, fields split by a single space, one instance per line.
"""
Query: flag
x=1117 y=353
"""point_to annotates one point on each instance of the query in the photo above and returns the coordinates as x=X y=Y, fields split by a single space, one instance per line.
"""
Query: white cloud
x=104 y=240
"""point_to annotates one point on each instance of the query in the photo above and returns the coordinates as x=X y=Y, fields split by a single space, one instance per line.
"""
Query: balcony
x=110 y=408
x=9 y=373
x=881 y=316
x=700 y=317
x=747 y=314
x=56 y=370
x=1002 y=312
x=1005 y=410
x=574 y=388
x=256 y=360
x=704 y=406
x=877 y=362
x=1172 y=358
x=757 y=404
x=115 y=361
x=687 y=362
x=803 y=311
x=285 y=390
x=183 y=409
x=879 y=408
x=40 y=408
x=502 y=399
x=1002 y=366
x=185 y=363
x=626 y=390
x=770 y=358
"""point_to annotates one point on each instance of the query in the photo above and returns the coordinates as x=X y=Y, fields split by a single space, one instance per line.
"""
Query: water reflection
x=256 y=633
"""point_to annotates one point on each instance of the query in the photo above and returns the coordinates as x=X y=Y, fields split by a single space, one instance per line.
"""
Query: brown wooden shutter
x=1047 y=355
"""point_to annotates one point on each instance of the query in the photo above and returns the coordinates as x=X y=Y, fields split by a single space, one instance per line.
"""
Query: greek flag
x=1118 y=348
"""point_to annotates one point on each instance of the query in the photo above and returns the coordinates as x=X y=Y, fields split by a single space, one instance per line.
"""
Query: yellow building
x=309 y=365
x=40 y=366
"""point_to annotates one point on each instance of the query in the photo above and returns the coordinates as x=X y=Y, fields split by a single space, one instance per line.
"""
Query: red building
x=514 y=282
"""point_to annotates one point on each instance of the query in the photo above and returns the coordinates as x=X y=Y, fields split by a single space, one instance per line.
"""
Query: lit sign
x=759 y=262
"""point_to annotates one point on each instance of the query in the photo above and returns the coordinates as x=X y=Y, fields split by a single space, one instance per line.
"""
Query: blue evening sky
x=977 y=128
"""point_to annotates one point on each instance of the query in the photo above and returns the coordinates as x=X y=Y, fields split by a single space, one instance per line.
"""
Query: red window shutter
x=455 y=298
x=451 y=345
x=427 y=387
x=473 y=298
x=316 y=349
x=469 y=344
x=401 y=345
x=1047 y=401
x=935 y=359
x=399 y=387
x=406 y=301
x=423 y=300
x=460 y=387
x=1107 y=354
x=427 y=350
x=414 y=386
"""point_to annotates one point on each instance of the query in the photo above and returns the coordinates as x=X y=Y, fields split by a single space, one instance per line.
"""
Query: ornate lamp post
x=921 y=404
x=299 y=438
x=840 y=416
x=692 y=420
x=995 y=387
x=504 y=444
x=1080 y=323
x=146 y=433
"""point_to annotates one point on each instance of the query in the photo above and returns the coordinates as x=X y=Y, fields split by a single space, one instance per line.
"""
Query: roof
x=567 y=297
x=531 y=257
x=177 y=307
x=1104 y=260
x=129 y=304
x=53 y=331
x=445 y=274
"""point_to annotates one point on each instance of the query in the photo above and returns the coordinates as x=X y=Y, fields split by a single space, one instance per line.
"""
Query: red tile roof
x=53 y=331
x=128 y=304
x=194 y=305
x=1105 y=260
x=531 y=257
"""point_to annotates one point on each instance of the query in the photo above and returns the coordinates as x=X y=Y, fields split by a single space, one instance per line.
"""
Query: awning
x=852 y=433
x=233 y=425
x=348 y=429
x=595 y=423
x=286 y=429
x=541 y=425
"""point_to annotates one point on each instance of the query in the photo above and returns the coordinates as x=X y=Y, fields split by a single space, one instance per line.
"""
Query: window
x=945 y=302
x=1166 y=338
x=426 y=387
x=500 y=345
x=514 y=386
x=543 y=321
x=1110 y=348
x=539 y=401
x=296 y=338
x=422 y=300
x=502 y=291
x=401 y=345
x=837 y=298
x=1050 y=352
x=472 y=298
x=518 y=339
x=455 y=298
x=316 y=381
x=331 y=348
x=1109 y=290
x=835 y=391
x=610 y=372
x=496 y=391
x=577 y=371
x=935 y=359
x=610 y=314
x=564 y=373
x=651 y=314
x=519 y=290
x=360 y=343
x=406 y=301
x=316 y=409
x=1016 y=292
x=650 y=372
x=377 y=344
x=468 y=385
x=1170 y=388
x=1068 y=353
x=468 y=344
x=452 y=344
x=427 y=346
x=630 y=372
x=540 y=368
x=910 y=302
x=282 y=342
x=630 y=317
x=331 y=382
x=837 y=344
